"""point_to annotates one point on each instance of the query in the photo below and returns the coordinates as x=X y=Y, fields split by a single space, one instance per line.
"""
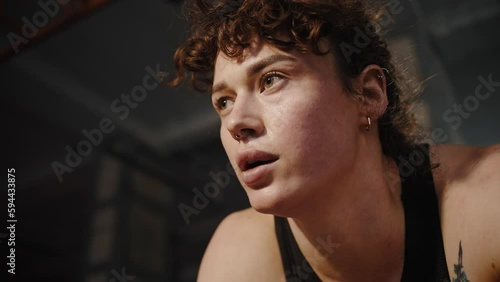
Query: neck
x=355 y=230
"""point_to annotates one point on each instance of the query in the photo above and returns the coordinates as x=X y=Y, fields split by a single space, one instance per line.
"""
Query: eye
x=222 y=103
x=269 y=80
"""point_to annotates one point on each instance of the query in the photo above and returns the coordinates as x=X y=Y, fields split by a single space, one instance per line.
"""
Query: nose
x=245 y=120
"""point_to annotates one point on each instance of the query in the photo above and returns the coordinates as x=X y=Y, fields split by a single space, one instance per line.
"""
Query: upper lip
x=247 y=159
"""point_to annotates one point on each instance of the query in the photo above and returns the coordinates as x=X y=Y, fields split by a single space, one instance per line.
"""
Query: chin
x=265 y=209
x=269 y=201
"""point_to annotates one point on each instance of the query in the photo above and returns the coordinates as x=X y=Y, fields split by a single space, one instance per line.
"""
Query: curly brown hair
x=230 y=26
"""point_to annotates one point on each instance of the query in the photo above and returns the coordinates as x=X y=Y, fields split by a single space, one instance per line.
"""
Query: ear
x=373 y=97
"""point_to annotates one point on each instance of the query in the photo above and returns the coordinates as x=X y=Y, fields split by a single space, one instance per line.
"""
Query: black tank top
x=424 y=252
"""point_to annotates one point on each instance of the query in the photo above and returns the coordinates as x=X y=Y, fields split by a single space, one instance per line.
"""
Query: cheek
x=228 y=143
x=318 y=133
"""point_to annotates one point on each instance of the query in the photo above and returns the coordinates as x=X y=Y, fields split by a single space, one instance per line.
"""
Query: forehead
x=259 y=55
x=233 y=72
x=250 y=55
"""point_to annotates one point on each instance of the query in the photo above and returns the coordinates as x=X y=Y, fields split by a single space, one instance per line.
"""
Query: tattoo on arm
x=460 y=275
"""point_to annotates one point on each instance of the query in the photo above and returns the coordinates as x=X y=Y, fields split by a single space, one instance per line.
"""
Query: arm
x=488 y=179
x=470 y=210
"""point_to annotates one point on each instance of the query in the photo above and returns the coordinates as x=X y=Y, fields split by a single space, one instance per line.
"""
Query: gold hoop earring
x=369 y=123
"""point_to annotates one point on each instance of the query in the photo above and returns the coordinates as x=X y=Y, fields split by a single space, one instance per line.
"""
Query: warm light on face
x=288 y=105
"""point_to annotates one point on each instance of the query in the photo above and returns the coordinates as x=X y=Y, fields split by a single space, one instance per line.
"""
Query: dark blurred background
x=113 y=170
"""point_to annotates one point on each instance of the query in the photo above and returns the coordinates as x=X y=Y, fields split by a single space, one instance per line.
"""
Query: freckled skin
x=306 y=118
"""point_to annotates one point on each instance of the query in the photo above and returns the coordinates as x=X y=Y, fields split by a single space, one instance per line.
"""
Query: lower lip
x=253 y=176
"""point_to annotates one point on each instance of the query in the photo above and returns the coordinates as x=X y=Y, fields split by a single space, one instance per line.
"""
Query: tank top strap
x=296 y=266
x=424 y=250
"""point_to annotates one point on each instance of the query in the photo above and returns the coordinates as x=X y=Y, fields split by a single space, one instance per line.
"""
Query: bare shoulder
x=468 y=185
x=243 y=248
x=460 y=163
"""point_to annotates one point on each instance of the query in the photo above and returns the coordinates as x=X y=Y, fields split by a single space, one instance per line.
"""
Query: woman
x=316 y=121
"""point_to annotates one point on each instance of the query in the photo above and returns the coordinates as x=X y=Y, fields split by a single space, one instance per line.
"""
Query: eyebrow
x=256 y=67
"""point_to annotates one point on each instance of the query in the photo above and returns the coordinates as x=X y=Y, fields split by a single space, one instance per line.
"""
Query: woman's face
x=299 y=129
